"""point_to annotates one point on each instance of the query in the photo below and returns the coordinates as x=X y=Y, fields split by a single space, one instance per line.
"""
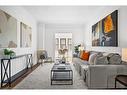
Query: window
x=69 y=43
x=57 y=43
x=62 y=43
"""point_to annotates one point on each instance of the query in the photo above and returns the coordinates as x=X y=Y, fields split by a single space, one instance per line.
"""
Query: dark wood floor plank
x=18 y=80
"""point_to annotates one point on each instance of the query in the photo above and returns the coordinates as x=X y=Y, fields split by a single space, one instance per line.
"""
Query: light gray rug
x=40 y=79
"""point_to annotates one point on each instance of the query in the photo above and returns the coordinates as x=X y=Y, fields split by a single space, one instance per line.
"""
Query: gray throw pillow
x=101 y=60
x=114 y=58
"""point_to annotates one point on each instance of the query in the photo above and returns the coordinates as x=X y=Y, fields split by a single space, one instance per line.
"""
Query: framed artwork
x=104 y=32
x=25 y=35
x=8 y=30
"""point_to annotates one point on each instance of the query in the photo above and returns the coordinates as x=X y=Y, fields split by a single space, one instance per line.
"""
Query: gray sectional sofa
x=102 y=72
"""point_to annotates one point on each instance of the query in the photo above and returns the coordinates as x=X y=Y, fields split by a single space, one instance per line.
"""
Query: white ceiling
x=63 y=14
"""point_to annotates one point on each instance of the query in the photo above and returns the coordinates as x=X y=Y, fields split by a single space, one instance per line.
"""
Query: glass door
x=63 y=41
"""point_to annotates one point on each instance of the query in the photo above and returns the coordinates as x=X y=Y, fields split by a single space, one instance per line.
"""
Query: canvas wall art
x=104 y=32
x=8 y=30
x=26 y=35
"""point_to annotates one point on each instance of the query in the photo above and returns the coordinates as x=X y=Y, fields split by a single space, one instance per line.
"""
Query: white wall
x=122 y=28
x=41 y=36
x=22 y=16
x=51 y=29
x=83 y=33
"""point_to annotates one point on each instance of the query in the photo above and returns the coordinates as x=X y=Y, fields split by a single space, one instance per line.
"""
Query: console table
x=6 y=68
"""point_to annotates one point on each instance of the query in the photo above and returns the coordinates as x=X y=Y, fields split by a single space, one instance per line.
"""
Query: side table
x=121 y=79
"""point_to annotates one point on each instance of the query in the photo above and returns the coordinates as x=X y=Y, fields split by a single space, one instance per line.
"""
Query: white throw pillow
x=92 y=58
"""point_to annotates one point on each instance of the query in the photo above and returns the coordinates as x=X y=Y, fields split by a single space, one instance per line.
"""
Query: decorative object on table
x=26 y=35
x=62 y=52
x=104 y=32
x=9 y=53
x=8 y=30
x=11 y=44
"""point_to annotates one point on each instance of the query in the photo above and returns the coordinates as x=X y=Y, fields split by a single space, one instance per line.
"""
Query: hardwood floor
x=18 y=80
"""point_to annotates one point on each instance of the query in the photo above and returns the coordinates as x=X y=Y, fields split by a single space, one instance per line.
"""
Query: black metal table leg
x=1 y=73
x=115 y=82
x=72 y=77
x=9 y=62
x=5 y=66
x=31 y=61
x=27 y=61
x=51 y=77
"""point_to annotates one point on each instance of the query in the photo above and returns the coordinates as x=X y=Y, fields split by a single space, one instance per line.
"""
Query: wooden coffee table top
x=122 y=79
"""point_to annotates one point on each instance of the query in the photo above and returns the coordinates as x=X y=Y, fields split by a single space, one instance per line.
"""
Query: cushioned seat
x=77 y=64
x=84 y=69
x=100 y=70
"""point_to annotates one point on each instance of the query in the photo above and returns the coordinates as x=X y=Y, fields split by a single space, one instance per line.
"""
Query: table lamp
x=124 y=54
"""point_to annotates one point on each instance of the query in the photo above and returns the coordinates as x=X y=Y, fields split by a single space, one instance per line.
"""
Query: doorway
x=63 y=41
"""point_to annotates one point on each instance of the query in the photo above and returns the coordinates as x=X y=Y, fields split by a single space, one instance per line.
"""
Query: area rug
x=40 y=79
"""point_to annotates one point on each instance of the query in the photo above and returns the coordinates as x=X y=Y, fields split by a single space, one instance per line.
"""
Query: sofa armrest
x=97 y=76
x=103 y=76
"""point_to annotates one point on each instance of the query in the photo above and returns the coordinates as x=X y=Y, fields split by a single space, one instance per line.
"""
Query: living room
x=53 y=29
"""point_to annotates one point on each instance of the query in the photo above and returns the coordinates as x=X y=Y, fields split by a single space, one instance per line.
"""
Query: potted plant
x=9 y=53
x=77 y=49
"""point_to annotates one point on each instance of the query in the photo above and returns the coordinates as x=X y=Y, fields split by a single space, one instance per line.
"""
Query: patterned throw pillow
x=100 y=59
x=114 y=58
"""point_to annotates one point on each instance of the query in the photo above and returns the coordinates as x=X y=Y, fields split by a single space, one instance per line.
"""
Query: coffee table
x=62 y=72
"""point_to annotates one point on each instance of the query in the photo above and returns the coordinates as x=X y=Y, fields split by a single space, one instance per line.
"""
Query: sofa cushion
x=76 y=60
x=92 y=58
x=101 y=60
x=84 y=69
x=84 y=62
x=79 y=61
x=85 y=55
x=114 y=58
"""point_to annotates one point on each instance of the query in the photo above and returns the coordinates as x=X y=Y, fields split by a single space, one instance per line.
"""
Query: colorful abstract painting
x=8 y=30
x=104 y=33
x=26 y=35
